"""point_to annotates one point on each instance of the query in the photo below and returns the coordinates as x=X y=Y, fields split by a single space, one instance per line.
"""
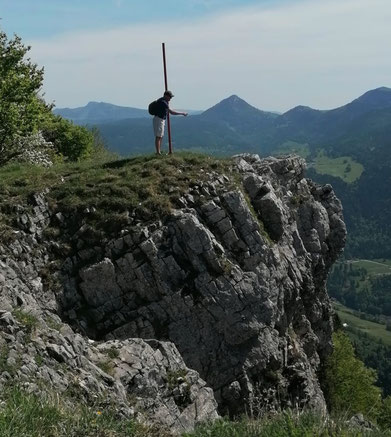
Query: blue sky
x=274 y=54
x=44 y=18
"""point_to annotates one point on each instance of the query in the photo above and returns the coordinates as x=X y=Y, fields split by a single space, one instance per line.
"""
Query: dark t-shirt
x=162 y=108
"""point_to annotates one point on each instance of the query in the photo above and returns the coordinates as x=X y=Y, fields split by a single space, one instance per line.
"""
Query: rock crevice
x=229 y=288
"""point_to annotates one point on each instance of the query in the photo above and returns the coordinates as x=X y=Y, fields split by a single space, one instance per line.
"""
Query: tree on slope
x=24 y=113
x=350 y=386
x=21 y=108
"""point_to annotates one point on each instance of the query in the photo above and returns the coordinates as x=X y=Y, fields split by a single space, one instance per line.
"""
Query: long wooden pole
x=166 y=87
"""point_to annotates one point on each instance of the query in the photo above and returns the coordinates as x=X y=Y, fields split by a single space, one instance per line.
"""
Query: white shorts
x=158 y=126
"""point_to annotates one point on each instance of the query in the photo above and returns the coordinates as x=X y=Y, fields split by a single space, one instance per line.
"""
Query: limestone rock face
x=235 y=280
x=231 y=286
x=146 y=380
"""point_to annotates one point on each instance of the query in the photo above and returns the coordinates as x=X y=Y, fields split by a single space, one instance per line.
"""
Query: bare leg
x=158 y=143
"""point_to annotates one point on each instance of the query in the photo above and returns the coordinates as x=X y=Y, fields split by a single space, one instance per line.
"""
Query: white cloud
x=318 y=53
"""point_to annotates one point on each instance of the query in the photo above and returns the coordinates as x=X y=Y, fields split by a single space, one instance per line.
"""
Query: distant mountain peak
x=230 y=104
x=377 y=93
x=235 y=111
x=234 y=98
x=379 y=89
x=301 y=108
x=376 y=99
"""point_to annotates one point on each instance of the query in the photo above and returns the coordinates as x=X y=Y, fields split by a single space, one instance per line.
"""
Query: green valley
x=343 y=167
x=363 y=285
x=363 y=292
x=378 y=331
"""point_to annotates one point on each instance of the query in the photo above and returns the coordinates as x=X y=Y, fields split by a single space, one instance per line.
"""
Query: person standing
x=161 y=110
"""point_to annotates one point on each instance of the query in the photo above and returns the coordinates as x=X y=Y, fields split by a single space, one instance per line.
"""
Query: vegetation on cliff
x=350 y=386
x=24 y=113
x=101 y=193
x=107 y=196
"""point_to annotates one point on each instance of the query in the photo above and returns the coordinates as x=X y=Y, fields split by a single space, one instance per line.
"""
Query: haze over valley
x=239 y=286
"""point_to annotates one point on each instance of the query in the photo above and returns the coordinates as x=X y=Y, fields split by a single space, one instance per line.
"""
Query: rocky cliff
x=218 y=307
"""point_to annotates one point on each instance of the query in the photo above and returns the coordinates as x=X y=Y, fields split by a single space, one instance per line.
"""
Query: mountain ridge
x=359 y=130
x=102 y=112
x=330 y=123
x=99 y=111
x=234 y=126
x=107 y=111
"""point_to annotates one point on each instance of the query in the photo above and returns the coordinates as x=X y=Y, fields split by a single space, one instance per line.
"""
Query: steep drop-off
x=229 y=287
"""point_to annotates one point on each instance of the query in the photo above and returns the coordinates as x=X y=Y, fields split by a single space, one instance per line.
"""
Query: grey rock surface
x=235 y=280
x=144 y=380
x=230 y=287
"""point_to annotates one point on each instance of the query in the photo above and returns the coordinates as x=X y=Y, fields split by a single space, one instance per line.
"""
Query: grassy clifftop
x=107 y=192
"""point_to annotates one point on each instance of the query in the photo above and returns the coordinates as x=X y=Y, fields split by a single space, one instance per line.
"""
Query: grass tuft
x=29 y=321
x=27 y=415
x=284 y=424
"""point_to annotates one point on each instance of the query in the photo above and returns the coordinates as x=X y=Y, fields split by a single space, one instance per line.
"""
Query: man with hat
x=159 y=120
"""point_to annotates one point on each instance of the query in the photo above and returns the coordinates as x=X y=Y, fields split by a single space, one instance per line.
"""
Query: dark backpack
x=152 y=107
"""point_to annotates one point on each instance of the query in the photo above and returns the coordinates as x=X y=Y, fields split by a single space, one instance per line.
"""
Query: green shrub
x=29 y=321
x=349 y=384
x=112 y=352
x=71 y=141
x=107 y=366
x=384 y=419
